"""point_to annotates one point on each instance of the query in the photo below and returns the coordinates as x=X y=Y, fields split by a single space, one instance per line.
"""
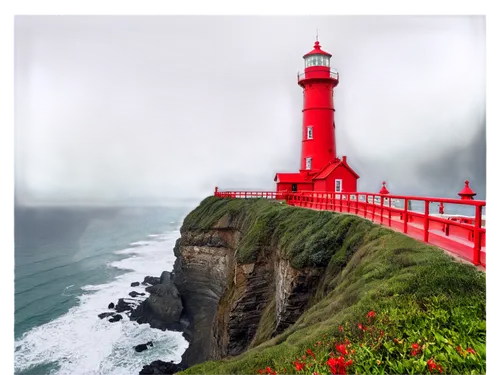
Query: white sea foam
x=83 y=344
x=140 y=243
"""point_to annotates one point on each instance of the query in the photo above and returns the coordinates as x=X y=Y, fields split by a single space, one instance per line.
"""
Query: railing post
x=349 y=203
x=365 y=205
x=373 y=208
x=381 y=209
x=405 y=217
x=426 y=221
x=476 y=256
x=390 y=211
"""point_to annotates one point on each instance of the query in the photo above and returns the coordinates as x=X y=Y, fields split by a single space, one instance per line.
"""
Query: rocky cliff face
x=224 y=299
x=201 y=273
x=229 y=303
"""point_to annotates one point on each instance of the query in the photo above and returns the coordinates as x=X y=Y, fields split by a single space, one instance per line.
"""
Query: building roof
x=289 y=177
x=317 y=50
x=329 y=168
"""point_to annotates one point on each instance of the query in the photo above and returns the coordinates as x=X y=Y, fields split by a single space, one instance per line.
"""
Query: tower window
x=309 y=132
x=308 y=163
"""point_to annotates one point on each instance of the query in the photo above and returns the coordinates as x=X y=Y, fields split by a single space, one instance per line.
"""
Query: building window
x=338 y=186
x=309 y=163
x=294 y=187
x=309 y=132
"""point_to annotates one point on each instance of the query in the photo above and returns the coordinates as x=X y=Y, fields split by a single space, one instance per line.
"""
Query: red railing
x=463 y=236
x=250 y=194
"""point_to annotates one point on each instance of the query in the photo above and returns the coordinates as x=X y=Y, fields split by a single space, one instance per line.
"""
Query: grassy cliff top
x=430 y=308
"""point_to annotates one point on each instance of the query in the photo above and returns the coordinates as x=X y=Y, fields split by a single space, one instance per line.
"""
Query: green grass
x=366 y=267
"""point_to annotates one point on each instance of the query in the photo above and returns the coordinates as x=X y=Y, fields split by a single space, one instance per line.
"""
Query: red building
x=320 y=168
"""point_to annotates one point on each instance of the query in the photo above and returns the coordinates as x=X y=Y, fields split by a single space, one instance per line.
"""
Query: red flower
x=360 y=326
x=260 y=371
x=470 y=350
x=371 y=314
x=338 y=365
x=431 y=364
x=341 y=349
x=341 y=329
x=299 y=366
x=416 y=349
x=309 y=351
x=434 y=366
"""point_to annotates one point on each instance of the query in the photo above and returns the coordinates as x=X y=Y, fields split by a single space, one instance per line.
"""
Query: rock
x=111 y=305
x=141 y=347
x=151 y=280
x=115 y=318
x=123 y=305
x=165 y=277
x=163 y=308
x=136 y=283
x=105 y=315
x=161 y=368
x=135 y=294
x=201 y=275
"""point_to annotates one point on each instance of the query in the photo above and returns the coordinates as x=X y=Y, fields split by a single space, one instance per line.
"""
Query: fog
x=158 y=109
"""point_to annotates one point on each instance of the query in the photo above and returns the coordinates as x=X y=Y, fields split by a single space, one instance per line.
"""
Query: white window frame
x=338 y=191
x=309 y=134
x=309 y=163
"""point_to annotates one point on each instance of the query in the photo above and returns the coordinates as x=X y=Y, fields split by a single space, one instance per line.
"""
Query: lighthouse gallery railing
x=314 y=74
x=461 y=235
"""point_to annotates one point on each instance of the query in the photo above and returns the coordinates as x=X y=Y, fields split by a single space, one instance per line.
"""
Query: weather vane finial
x=316 y=35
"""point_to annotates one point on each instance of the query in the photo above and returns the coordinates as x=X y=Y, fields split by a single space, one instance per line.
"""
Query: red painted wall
x=283 y=186
x=301 y=186
x=318 y=112
x=320 y=185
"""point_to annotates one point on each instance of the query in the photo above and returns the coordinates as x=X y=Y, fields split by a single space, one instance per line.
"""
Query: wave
x=82 y=344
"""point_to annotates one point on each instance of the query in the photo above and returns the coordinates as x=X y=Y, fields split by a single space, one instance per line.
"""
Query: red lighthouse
x=320 y=169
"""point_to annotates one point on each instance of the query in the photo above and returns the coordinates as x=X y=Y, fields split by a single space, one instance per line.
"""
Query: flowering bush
x=388 y=343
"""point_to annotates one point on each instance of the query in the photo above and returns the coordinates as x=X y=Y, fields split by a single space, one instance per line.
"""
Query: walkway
x=462 y=236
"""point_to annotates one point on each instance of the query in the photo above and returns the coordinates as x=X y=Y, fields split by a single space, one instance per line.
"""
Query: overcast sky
x=146 y=109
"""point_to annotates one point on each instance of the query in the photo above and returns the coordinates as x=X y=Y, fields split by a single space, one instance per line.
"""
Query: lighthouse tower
x=320 y=168
x=318 y=124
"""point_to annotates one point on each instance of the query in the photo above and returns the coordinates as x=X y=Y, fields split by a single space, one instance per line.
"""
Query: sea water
x=70 y=263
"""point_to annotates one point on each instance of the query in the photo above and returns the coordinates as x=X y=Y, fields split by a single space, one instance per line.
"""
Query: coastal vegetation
x=385 y=304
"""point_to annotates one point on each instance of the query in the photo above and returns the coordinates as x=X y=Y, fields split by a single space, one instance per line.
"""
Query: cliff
x=261 y=281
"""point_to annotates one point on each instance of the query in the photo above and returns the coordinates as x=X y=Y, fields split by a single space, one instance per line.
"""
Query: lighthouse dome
x=317 y=57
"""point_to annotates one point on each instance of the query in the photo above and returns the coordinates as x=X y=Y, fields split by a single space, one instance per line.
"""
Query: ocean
x=70 y=263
